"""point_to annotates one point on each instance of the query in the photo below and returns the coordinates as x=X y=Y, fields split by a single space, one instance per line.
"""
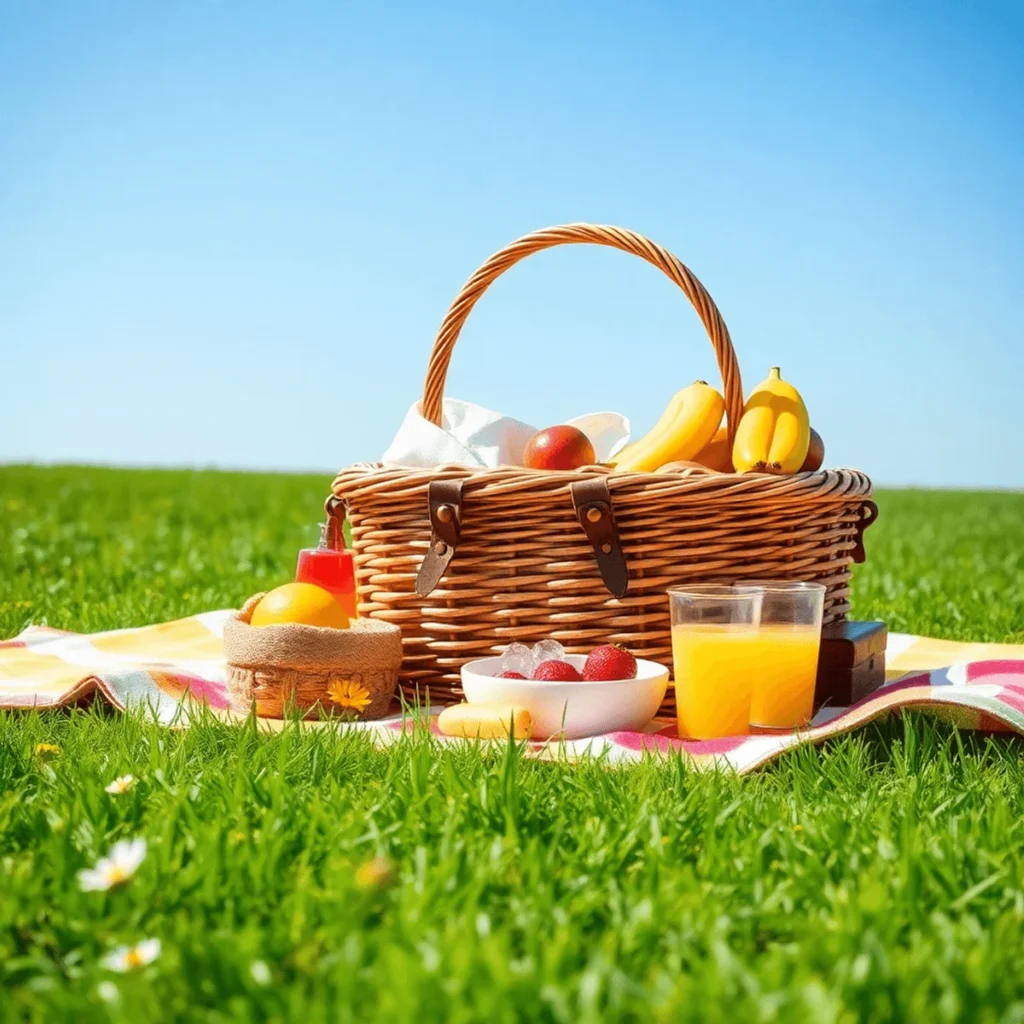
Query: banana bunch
x=774 y=435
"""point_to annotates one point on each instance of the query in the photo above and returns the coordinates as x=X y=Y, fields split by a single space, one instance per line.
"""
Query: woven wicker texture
x=524 y=569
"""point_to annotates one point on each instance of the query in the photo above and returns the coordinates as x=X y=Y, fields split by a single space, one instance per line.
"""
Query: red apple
x=562 y=447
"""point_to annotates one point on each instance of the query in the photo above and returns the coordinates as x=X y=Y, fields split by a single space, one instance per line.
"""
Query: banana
x=689 y=421
x=485 y=721
x=671 y=411
x=775 y=432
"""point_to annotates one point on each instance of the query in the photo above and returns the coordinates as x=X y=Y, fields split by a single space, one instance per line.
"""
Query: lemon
x=305 y=603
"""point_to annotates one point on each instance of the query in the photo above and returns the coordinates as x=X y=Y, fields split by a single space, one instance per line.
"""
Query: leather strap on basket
x=869 y=513
x=445 y=504
x=593 y=504
x=335 y=509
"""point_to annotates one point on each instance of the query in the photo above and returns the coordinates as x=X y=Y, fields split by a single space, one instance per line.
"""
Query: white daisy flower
x=260 y=972
x=108 y=992
x=129 y=958
x=117 y=867
x=121 y=784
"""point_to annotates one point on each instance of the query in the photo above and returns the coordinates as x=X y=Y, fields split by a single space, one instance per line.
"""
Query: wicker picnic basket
x=467 y=560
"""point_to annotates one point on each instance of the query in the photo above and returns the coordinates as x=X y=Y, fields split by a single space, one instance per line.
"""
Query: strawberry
x=557 y=672
x=510 y=675
x=609 y=662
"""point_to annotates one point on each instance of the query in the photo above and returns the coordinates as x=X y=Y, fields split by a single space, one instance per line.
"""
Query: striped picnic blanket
x=169 y=668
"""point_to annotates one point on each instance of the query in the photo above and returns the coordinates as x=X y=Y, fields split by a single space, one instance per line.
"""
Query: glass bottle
x=329 y=565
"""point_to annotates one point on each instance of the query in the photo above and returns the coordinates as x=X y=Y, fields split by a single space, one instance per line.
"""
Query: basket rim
x=832 y=485
x=311 y=649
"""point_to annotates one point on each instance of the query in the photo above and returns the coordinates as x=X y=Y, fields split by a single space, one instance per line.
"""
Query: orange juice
x=716 y=665
x=787 y=665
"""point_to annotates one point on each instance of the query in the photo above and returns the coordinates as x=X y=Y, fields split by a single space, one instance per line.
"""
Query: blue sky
x=229 y=231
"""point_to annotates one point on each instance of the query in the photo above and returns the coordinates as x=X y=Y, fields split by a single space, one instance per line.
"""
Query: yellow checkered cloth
x=170 y=668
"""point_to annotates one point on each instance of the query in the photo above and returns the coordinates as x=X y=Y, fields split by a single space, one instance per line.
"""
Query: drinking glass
x=714 y=652
x=789 y=636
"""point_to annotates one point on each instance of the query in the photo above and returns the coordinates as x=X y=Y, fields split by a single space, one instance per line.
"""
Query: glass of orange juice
x=715 y=654
x=789 y=636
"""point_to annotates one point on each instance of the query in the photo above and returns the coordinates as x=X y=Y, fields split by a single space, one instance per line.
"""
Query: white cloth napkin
x=470 y=435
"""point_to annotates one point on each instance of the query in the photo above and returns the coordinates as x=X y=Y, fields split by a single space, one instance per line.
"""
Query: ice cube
x=547 y=650
x=517 y=658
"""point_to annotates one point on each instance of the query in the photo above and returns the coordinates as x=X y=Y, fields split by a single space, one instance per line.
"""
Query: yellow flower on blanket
x=347 y=693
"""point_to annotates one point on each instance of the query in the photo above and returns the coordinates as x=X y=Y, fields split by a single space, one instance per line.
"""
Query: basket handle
x=597 y=234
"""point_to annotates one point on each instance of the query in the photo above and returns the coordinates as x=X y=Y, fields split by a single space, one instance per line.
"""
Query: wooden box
x=851 y=662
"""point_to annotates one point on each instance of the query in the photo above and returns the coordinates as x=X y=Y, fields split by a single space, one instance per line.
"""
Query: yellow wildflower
x=236 y=837
x=47 y=750
x=347 y=693
x=374 y=873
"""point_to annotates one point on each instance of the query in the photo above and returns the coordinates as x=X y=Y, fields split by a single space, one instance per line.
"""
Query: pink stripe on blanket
x=178 y=684
x=1012 y=695
x=215 y=694
x=978 y=670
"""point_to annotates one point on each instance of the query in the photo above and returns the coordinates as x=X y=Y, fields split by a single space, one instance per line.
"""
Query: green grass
x=878 y=878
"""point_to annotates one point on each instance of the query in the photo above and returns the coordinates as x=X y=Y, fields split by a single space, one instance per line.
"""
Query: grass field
x=878 y=878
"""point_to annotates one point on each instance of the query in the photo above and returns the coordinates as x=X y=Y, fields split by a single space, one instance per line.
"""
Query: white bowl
x=574 y=710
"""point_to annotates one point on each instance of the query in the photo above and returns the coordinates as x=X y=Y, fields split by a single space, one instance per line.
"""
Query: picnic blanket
x=173 y=668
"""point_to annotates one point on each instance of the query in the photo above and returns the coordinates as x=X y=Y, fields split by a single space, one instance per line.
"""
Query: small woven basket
x=309 y=670
x=465 y=560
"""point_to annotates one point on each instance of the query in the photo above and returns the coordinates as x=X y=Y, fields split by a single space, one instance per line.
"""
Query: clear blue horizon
x=228 y=232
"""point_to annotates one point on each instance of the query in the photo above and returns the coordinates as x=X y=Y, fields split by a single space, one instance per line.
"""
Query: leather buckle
x=444 y=498
x=593 y=504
